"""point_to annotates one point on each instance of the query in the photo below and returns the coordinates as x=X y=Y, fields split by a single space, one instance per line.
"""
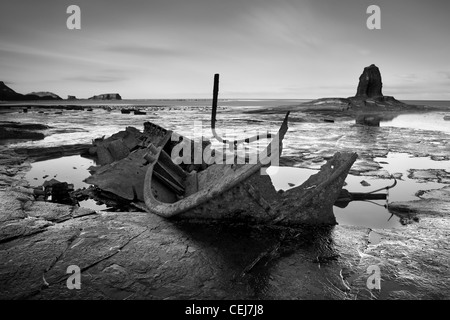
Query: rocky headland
x=106 y=96
x=8 y=94
x=44 y=95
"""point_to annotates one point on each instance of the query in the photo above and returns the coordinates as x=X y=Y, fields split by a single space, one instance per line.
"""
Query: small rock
x=365 y=183
x=50 y=183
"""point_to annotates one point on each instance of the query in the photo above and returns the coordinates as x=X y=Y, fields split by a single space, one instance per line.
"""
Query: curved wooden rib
x=239 y=173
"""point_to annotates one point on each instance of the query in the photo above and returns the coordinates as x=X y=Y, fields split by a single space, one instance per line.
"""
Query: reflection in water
x=72 y=169
x=372 y=214
x=247 y=255
x=367 y=135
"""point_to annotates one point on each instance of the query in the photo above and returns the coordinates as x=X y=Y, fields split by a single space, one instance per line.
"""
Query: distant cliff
x=44 y=95
x=8 y=94
x=107 y=96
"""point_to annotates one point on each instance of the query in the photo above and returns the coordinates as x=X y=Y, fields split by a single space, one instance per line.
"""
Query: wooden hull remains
x=239 y=192
x=256 y=201
x=215 y=190
x=148 y=178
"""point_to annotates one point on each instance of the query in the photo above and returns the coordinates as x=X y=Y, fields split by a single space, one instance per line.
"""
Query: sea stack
x=370 y=84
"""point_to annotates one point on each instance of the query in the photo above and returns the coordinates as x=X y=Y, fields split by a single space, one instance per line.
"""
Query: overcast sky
x=261 y=48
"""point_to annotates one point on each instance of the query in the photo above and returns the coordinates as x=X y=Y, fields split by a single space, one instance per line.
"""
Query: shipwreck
x=139 y=167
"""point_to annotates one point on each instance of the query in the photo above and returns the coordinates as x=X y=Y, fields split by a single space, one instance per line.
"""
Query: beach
x=136 y=255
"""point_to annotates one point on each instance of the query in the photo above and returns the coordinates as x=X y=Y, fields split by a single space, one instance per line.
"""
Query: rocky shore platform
x=136 y=255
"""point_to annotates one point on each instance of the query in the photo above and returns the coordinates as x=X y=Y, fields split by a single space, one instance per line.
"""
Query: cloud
x=364 y=52
x=142 y=50
x=29 y=54
x=409 y=77
x=97 y=79
x=446 y=74
x=418 y=90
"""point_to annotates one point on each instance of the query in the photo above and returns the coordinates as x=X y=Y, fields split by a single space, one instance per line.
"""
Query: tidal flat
x=134 y=255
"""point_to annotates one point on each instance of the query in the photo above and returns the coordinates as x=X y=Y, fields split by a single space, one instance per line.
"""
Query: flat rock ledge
x=134 y=255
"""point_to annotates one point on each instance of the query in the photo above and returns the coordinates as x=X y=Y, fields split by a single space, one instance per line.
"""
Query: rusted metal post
x=214 y=102
x=232 y=143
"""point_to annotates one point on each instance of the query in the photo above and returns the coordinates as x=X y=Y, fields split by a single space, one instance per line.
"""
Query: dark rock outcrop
x=8 y=94
x=370 y=84
x=369 y=93
x=74 y=107
x=107 y=96
x=369 y=97
x=41 y=154
x=16 y=130
x=380 y=103
x=71 y=98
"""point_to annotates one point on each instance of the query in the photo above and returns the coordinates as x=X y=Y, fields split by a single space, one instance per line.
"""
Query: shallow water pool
x=72 y=169
x=371 y=214
x=374 y=213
